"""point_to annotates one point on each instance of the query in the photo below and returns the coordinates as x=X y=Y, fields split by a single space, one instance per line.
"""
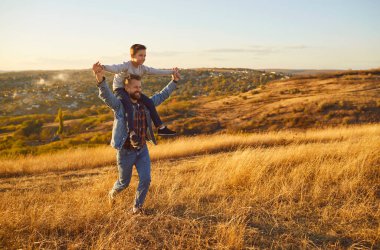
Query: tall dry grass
x=83 y=158
x=319 y=190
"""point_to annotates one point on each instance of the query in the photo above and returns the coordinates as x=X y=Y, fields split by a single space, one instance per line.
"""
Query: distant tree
x=60 y=120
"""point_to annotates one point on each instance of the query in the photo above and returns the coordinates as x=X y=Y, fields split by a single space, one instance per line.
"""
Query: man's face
x=139 y=57
x=134 y=89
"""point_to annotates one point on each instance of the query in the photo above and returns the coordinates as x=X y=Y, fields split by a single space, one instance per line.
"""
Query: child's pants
x=123 y=95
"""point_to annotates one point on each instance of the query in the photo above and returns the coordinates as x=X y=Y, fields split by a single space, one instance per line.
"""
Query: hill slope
x=298 y=102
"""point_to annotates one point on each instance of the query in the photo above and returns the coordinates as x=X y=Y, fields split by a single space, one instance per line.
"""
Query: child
x=135 y=66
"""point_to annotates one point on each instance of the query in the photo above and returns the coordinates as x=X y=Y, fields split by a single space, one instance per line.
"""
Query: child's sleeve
x=116 y=68
x=153 y=71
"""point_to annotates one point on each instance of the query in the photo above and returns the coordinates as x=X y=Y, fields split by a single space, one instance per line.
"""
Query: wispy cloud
x=258 y=49
x=296 y=47
x=166 y=53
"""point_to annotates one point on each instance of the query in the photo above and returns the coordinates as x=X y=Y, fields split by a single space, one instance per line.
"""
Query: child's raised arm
x=153 y=71
x=116 y=68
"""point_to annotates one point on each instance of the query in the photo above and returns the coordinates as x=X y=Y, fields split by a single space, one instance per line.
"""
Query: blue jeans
x=126 y=158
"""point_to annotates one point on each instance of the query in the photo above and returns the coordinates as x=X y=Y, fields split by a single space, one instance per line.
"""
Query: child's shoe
x=166 y=132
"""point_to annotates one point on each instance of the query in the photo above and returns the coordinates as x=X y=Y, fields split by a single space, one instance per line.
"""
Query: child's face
x=139 y=57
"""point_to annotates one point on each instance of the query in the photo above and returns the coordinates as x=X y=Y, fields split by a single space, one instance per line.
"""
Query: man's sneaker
x=135 y=141
x=111 y=197
x=137 y=210
x=166 y=132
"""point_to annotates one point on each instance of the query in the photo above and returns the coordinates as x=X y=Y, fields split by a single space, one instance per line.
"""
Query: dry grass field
x=311 y=189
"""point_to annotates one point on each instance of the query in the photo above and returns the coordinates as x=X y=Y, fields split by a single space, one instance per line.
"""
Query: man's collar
x=139 y=101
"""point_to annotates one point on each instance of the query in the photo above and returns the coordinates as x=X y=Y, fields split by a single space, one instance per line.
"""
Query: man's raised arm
x=105 y=94
x=166 y=91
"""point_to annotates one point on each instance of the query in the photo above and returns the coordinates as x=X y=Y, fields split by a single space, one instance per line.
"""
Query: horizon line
x=276 y=68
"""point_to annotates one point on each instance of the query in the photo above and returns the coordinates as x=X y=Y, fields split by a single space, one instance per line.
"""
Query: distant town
x=36 y=92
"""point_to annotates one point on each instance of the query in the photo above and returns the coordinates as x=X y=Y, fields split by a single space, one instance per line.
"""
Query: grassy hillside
x=310 y=189
x=299 y=102
x=211 y=101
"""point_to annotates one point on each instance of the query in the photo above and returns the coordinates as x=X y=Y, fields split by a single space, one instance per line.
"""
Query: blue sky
x=72 y=34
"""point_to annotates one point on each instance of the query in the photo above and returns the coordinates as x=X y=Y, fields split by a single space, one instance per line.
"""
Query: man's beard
x=135 y=96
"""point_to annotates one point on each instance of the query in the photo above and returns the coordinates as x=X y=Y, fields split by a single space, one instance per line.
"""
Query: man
x=128 y=155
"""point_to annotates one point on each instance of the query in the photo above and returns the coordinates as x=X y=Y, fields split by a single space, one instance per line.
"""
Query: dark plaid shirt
x=140 y=124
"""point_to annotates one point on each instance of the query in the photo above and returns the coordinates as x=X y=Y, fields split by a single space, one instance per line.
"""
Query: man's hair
x=135 y=48
x=131 y=77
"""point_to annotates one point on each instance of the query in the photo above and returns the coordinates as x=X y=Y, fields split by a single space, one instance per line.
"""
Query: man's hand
x=98 y=71
x=176 y=76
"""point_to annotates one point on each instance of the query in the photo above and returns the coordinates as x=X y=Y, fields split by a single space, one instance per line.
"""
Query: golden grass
x=319 y=189
x=82 y=158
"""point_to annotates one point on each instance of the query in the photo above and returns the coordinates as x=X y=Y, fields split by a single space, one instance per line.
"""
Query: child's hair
x=132 y=77
x=135 y=48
